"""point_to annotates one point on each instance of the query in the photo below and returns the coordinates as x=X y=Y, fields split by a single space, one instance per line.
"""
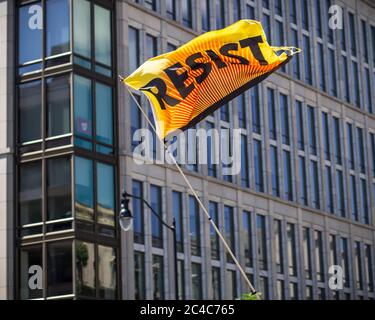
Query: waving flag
x=186 y=85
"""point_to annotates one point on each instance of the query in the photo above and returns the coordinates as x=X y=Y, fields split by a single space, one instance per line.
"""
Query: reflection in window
x=246 y=238
x=196 y=281
x=195 y=237
x=344 y=260
x=82 y=28
x=329 y=190
x=105 y=193
x=262 y=244
x=302 y=180
x=307 y=252
x=288 y=191
x=57 y=27
x=30 y=193
x=158 y=277
x=138 y=215
x=255 y=110
x=107 y=272
x=30 y=102
x=353 y=198
x=258 y=166
x=216 y=283
x=284 y=114
x=278 y=245
x=314 y=185
x=187 y=13
x=58 y=189
x=171 y=9
x=274 y=172
x=181 y=279
x=85 y=269
x=30 y=39
x=271 y=113
x=220 y=14
x=340 y=193
x=103 y=39
x=58 y=105
x=231 y=284
x=156 y=226
x=337 y=140
x=311 y=129
x=325 y=138
x=84 y=190
x=104 y=113
x=368 y=268
x=134 y=58
x=29 y=256
x=139 y=276
x=319 y=255
x=60 y=269
x=215 y=244
x=229 y=230
x=292 y=253
x=177 y=212
x=244 y=163
x=205 y=11
x=307 y=59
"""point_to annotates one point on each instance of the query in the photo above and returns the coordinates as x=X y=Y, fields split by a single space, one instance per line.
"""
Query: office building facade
x=303 y=201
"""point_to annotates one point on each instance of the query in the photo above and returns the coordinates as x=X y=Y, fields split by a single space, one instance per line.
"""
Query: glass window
x=271 y=113
x=326 y=134
x=278 y=232
x=181 y=279
x=84 y=189
x=280 y=290
x=319 y=255
x=138 y=220
x=307 y=59
x=82 y=27
x=178 y=216
x=350 y=146
x=216 y=283
x=31 y=193
x=353 y=45
x=139 y=276
x=356 y=86
x=195 y=236
x=258 y=166
x=158 y=277
x=274 y=171
x=60 y=269
x=329 y=29
x=305 y=14
x=296 y=70
x=150 y=4
x=340 y=193
x=311 y=129
x=187 y=18
x=364 y=202
x=337 y=140
x=263 y=287
x=321 y=71
x=307 y=252
x=103 y=37
x=215 y=243
x=30 y=102
x=59 y=203
x=333 y=249
x=373 y=43
x=231 y=284
x=156 y=226
x=220 y=14
x=364 y=40
x=262 y=244
x=372 y=142
x=300 y=126
x=244 y=163
x=29 y=256
x=246 y=236
x=85 y=269
x=196 y=281
x=292 y=250
x=353 y=198
x=57 y=27
x=83 y=111
x=288 y=191
x=58 y=105
x=314 y=185
x=136 y=119
x=368 y=268
x=171 y=9
x=105 y=193
x=211 y=136
x=255 y=110
x=266 y=23
x=205 y=11
x=318 y=18
x=367 y=90
x=332 y=73
x=134 y=56
x=358 y=265
x=250 y=12
x=236 y=10
x=104 y=113
x=293 y=291
x=30 y=26
x=361 y=150
x=329 y=190
x=107 y=272
x=279 y=7
x=284 y=114
x=344 y=260
x=241 y=108
x=225 y=113
x=345 y=79
x=229 y=230
x=302 y=180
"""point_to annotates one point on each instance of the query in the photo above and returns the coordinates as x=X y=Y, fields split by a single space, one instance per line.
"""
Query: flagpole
x=227 y=247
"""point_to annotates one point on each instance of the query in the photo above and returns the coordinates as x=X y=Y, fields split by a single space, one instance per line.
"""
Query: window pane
x=302 y=180
x=255 y=111
x=158 y=277
x=104 y=113
x=319 y=255
x=82 y=27
x=84 y=190
x=83 y=106
x=85 y=269
x=284 y=114
x=244 y=163
x=278 y=246
x=156 y=226
x=177 y=213
x=216 y=283
x=105 y=193
x=231 y=285
x=271 y=114
x=262 y=244
x=314 y=185
x=171 y=9
x=29 y=256
x=107 y=270
x=59 y=192
x=103 y=37
x=58 y=105
x=274 y=172
x=59 y=268
x=288 y=192
x=57 y=27
x=186 y=13
x=139 y=276
x=246 y=237
x=205 y=11
x=196 y=279
x=31 y=193
x=134 y=60
x=307 y=253
x=215 y=244
x=229 y=230
x=292 y=255
x=30 y=111
x=258 y=166
x=194 y=226
x=30 y=32
x=138 y=220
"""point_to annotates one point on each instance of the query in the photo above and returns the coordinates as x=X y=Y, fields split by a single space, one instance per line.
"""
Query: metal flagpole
x=229 y=250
